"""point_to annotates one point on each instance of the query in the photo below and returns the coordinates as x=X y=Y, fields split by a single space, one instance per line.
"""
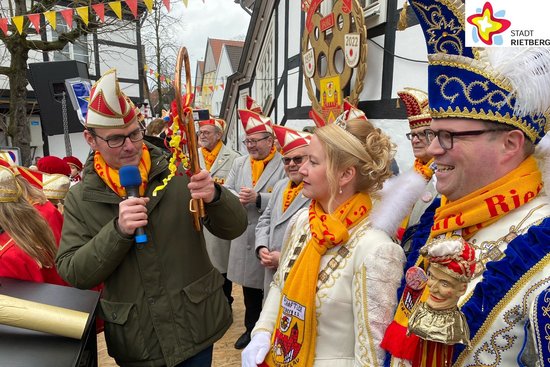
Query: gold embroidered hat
x=254 y=122
x=9 y=189
x=56 y=185
x=109 y=107
x=219 y=123
x=291 y=139
x=506 y=85
x=416 y=104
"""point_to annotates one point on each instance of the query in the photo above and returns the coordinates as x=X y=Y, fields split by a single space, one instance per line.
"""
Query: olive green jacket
x=162 y=301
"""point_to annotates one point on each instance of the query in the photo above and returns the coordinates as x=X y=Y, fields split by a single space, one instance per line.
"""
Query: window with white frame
x=72 y=51
x=265 y=71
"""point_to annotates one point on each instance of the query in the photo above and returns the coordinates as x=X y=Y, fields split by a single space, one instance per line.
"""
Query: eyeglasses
x=297 y=160
x=116 y=141
x=254 y=141
x=445 y=137
x=420 y=136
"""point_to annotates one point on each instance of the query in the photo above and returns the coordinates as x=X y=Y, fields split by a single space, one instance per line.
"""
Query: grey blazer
x=218 y=249
x=272 y=224
x=244 y=268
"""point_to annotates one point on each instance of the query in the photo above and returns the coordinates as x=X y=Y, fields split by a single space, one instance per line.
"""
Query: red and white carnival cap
x=291 y=139
x=252 y=105
x=453 y=255
x=416 y=104
x=55 y=186
x=255 y=123
x=219 y=123
x=109 y=107
x=33 y=177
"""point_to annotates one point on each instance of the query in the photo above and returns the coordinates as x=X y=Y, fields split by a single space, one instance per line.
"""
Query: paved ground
x=225 y=355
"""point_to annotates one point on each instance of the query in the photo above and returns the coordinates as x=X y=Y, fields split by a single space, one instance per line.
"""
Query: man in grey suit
x=286 y=200
x=217 y=158
x=252 y=179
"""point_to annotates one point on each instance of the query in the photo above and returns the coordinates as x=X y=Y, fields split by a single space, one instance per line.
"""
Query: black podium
x=24 y=348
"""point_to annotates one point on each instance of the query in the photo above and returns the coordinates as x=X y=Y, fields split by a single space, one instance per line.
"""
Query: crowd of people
x=341 y=261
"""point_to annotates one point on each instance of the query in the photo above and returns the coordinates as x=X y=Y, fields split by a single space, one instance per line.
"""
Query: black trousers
x=253 y=306
x=227 y=288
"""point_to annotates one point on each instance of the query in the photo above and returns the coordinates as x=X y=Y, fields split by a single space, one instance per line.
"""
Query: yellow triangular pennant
x=149 y=5
x=185 y=2
x=50 y=17
x=83 y=13
x=117 y=8
x=18 y=21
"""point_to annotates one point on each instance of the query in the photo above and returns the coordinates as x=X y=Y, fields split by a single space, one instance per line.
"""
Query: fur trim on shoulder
x=396 y=200
x=542 y=155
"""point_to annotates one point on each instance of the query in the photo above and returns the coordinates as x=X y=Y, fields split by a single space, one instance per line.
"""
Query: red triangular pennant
x=222 y=86
x=167 y=4
x=4 y=25
x=67 y=14
x=132 y=4
x=35 y=20
x=100 y=11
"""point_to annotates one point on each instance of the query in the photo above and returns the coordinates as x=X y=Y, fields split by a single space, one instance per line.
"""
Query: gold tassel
x=397 y=104
x=402 y=23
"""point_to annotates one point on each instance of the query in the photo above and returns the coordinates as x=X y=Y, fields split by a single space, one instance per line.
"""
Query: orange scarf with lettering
x=210 y=156
x=424 y=168
x=295 y=335
x=111 y=177
x=258 y=166
x=292 y=190
x=488 y=204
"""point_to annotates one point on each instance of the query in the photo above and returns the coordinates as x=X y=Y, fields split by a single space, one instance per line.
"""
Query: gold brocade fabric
x=258 y=166
x=210 y=157
x=446 y=326
x=111 y=177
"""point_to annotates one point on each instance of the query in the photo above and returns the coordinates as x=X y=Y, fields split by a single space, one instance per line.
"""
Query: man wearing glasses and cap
x=252 y=179
x=286 y=200
x=162 y=300
x=217 y=158
x=490 y=109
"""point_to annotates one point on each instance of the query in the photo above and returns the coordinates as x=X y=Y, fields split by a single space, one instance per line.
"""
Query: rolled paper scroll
x=41 y=317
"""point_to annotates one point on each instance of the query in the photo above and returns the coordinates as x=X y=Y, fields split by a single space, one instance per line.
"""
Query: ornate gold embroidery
x=5 y=244
x=495 y=346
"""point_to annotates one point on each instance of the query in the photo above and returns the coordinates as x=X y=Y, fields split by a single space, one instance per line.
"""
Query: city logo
x=488 y=25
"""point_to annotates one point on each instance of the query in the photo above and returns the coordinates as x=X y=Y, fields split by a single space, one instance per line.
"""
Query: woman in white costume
x=335 y=290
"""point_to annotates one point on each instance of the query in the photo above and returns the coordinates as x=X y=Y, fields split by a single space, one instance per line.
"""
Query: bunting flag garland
x=4 y=25
x=117 y=8
x=100 y=11
x=132 y=4
x=18 y=22
x=35 y=20
x=83 y=13
x=51 y=18
x=149 y=5
x=67 y=14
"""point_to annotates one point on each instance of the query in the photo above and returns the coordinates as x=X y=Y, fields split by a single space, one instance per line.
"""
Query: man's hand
x=132 y=214
x=247 y=195
x=201 y=186
x=269 y=259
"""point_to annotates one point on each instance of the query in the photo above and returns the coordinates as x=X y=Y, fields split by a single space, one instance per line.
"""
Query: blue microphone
x=130 y=179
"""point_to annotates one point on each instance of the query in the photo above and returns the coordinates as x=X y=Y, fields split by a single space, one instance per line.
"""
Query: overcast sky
x=223 y=19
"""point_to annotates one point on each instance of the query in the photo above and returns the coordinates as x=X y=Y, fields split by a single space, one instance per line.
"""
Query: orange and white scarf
x=295 y=335
x=258 y=166
x=424 y=168
x=291 y=192
x=111 y=176
x=210 y=156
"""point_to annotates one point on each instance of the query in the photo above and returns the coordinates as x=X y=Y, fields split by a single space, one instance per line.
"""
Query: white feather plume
x=444 y=248
x=528 y=71
x=397 y=198
x=542 y=155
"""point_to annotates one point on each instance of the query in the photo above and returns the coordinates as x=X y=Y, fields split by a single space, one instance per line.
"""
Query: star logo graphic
x=487 y=24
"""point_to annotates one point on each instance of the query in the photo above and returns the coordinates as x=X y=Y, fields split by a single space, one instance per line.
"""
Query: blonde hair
x=26 y=226
x=32 y=193
x=359 y=145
